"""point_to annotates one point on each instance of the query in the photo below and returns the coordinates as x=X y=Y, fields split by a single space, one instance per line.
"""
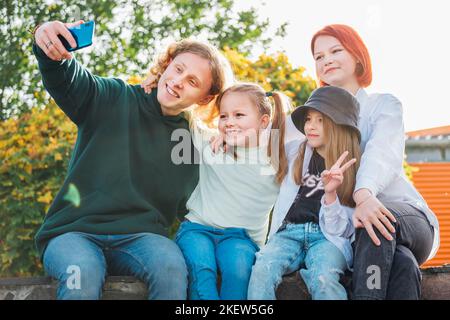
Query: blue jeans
x=292 y=247
x=80 y=262
x=208 y=250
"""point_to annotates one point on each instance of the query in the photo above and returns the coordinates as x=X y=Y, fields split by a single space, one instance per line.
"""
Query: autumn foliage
x=35 y=151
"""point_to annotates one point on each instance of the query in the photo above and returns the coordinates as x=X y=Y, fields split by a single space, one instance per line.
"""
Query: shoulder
x=111 y=85
x=384 y=99
x=291 y=132
x=384 y=104
x=292 y=148
x=133 y=88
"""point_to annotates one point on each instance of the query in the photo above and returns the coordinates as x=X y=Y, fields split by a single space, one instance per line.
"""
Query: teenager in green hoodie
x=128 y=187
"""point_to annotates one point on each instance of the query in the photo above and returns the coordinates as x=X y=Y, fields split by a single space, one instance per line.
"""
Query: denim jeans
x=80 y=262
x=291 y=248
x=391 y=271
x=209 y=250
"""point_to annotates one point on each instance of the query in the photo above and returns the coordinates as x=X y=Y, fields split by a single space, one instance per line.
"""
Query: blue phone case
x=82 y=34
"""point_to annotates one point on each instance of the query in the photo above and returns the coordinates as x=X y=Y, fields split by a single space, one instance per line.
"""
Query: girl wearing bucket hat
x=312 y=231
x=395 y=229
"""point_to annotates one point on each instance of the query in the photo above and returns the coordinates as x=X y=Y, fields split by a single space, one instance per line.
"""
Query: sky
x=408 y=42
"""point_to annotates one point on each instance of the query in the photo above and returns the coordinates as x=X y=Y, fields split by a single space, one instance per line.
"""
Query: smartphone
x=82 y=34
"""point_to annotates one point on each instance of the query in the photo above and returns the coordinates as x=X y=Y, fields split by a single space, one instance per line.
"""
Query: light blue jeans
x=80 y=262
x=291 y=248
x=209 y=250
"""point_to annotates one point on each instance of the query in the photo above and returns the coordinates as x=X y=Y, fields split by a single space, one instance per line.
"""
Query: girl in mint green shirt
x=229 y=209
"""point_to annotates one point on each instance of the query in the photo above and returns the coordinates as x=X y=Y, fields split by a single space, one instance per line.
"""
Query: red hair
x=353 y=43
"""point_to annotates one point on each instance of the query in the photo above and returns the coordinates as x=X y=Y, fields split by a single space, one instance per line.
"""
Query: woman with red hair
x=395 y=230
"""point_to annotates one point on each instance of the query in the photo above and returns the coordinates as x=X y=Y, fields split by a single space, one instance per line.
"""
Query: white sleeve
x=201 y=135
x=336 y=219
x=382 y=159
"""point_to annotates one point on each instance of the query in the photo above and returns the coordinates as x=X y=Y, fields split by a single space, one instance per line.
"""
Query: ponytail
x=278 y=158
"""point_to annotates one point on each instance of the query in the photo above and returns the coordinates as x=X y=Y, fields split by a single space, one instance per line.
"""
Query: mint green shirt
x=233 y=193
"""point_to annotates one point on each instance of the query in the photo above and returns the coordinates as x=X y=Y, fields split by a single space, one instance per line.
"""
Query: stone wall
x=435 y=286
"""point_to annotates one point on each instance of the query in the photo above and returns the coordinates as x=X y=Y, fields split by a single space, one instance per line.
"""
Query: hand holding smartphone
x=82 y=34
x=58 y=39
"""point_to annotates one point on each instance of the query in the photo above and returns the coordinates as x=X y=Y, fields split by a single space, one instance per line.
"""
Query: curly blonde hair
x=222 y=75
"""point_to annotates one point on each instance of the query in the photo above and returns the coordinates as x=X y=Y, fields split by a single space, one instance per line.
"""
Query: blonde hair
x=338 y=139
x=257 y=94
x=221 y=72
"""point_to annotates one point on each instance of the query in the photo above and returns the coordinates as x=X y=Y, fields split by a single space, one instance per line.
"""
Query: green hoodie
x=121 y=164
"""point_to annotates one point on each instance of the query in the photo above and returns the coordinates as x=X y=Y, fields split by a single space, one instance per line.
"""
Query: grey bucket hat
x=336 y=103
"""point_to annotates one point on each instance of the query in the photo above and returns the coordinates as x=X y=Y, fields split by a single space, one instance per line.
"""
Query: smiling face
x=240 y=120
x=186 y=81
x=314 y=130
x=334 y=64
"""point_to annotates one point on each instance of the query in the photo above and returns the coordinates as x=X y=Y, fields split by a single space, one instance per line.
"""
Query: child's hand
x=217 y=142
x=334 y=177
x=149 y=83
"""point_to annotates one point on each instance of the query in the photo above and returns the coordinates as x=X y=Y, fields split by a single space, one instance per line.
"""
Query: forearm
x=330 y=197
x=52 y=71
x=68 y=83
x=336 y=218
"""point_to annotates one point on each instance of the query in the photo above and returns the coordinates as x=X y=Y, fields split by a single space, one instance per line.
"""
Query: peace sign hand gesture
x=334 y=177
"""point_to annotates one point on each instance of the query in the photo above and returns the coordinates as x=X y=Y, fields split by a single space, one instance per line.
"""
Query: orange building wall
x=433 y=182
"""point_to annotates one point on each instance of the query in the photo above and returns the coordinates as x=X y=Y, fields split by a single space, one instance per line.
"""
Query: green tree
x=35 y=151
x=273 y=72
x=128 y=35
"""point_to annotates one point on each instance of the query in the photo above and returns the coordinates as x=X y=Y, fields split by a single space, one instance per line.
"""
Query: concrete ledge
x=44 y=288
x=435 y=286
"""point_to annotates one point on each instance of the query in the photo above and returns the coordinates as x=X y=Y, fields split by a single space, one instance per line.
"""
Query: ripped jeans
x=293 y=247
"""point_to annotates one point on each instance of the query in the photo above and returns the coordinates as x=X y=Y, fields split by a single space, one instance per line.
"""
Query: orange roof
x=445 y=130
x=433 y=182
